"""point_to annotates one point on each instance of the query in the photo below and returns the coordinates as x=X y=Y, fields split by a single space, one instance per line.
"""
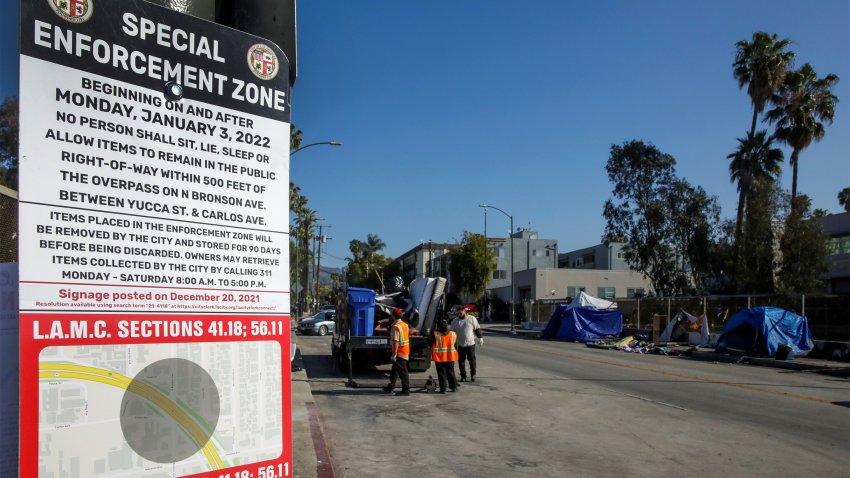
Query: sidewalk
x=310 y=457
x=800 y=364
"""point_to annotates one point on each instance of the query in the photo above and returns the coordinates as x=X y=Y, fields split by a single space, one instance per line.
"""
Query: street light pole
x=511 y=233
x=319 y=264
x=329 y=143
x=430 y=259
x=306 y=285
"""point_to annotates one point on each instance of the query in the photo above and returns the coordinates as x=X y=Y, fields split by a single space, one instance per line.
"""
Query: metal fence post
x=638 y=314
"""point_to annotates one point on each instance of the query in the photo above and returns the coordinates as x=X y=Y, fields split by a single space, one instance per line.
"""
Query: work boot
x=403 y=393
x=473 y=378
x=462 y=379
x=388 y=389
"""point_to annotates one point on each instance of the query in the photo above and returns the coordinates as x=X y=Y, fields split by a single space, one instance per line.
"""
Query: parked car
x=328 y=307
x=320 y=323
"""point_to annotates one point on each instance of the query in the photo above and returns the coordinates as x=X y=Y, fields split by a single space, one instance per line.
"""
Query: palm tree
x=297 y=201
x=305 y=225
x=803 y=104
x=294 y=137
x=844 y=198
x=372 y=245
x=754 y=160
x=761 y=65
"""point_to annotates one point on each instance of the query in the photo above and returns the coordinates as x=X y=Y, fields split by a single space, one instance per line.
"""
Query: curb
x=833 y=368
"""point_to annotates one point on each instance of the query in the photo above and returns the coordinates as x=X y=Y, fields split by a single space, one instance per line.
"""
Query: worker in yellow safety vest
x=400 y=345
x=444 y=355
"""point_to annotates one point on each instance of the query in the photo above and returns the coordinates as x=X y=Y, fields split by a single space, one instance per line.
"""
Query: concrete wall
x=553 y=283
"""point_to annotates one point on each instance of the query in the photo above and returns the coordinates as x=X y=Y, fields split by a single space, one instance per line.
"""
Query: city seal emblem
x=74 y=11
x=263 y=61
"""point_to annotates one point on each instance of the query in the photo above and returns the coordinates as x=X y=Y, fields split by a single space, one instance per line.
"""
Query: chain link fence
x=828 y=315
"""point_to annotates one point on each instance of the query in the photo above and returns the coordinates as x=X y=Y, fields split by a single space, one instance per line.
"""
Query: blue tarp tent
x=582 y=323
x=760 y=330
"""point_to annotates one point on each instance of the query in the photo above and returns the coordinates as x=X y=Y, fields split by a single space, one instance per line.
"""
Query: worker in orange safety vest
x=400 y=346
x=444 y=355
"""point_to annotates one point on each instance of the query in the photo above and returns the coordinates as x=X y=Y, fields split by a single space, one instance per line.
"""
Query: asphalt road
x=557 y=409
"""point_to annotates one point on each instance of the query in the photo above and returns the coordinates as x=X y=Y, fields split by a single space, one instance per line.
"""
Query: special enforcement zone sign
x=153 y=235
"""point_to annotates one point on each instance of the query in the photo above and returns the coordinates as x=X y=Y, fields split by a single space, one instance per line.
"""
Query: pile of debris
x=637 y=344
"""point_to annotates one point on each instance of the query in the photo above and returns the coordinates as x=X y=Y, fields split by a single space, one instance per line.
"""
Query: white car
x=320 y=324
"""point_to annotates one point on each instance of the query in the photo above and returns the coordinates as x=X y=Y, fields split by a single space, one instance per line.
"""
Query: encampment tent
x=760 y=330
x=681 y=327
x=582 y=323
x=586 y=300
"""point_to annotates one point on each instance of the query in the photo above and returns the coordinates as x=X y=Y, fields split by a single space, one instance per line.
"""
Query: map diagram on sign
x=158 y=410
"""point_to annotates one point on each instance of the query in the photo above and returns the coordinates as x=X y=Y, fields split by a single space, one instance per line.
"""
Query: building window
x=536 y=253
x=839 y=245
x=621 y=255
x=635 y=292
x=500 y=275
x=578 y=262
x=605 y=292
x=574 y=291
x=499 y=251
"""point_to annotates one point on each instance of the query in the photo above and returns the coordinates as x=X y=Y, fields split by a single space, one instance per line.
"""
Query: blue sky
x=446 y=104
x=443 y=105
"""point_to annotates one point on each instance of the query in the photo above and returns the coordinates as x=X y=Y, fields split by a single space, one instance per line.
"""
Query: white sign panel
x=153 y=231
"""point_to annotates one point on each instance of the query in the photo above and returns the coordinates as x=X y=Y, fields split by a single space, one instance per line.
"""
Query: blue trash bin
x=361 y=311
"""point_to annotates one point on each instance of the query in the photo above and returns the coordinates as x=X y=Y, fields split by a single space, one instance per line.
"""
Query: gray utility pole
x=511 y=237
x=322 y=239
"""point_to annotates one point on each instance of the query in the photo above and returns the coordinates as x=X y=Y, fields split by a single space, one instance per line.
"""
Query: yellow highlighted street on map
x=93 y=374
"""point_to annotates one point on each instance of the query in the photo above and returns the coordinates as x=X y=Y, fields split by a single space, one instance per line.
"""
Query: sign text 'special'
x=61 y=39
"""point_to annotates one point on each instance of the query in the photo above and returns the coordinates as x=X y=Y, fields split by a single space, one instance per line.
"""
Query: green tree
x=371 y=247
x=844 y=199
x=472 y=264
x=356 y=269
x=305 y=229
x=666 y=223
x=9 y=142
x=365 y=265
x=694 y=218
x=755 y=269
x=804 y=103
x=761 y=65
x=804 y=248
x=754 y=159
x=722 y=260
x=295 y=137
x=301 y=231
x=641 y=174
